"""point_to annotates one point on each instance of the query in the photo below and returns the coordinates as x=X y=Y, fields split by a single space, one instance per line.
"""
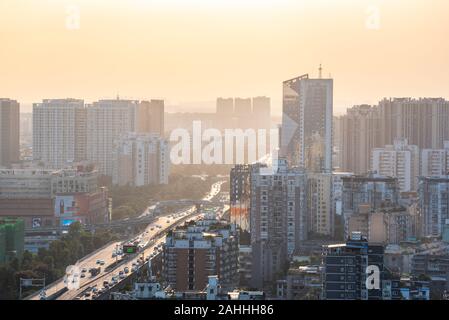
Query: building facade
x=12 y=239
x=345 y=269
x=306 y=134
x=434 y=205
x=372 y=189
x=49 y=198
x=435 y=162
x=320 y=213
x=150 y=117
x=423 y=122
x=140 y=160
x=59 y=132
x=9 y=132
x=399 y=160
x=278 y=218
x=359 y=133
x=198 y=250
x=107 y=120
x=240 y=195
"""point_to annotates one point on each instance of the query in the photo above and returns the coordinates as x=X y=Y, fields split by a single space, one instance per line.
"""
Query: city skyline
x=162 y=49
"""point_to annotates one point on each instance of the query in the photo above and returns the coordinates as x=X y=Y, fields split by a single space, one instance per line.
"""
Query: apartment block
x=435 y=162
x=9 y=132
x=140 y=160
x=59 y=132
x=399 y=160
x=358 y=133
x=107 y=120
x=320 y=213
x=150 y=117
x=345 y=268
x=278 y=218
x=434 y=205
x=198 y=250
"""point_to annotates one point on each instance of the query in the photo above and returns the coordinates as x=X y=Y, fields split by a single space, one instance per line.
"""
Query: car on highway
x=102 y=262
x=83 y=275
x=114 y=255
x=84 y=270
x=98 y=261
x=126 y=270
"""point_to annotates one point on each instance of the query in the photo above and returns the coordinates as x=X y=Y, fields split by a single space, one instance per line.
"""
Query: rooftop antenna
x=320 y=72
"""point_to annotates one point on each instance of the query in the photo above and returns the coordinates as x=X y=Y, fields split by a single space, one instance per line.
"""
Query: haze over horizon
x=191 y=52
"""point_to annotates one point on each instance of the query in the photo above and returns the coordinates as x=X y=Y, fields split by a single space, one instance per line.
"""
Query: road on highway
x=159 y=226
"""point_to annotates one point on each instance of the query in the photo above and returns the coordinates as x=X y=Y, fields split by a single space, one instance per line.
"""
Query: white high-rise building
x=107 y=120
x=400 y=160
x=59 y=132
x=140 y=160
x=435 y=162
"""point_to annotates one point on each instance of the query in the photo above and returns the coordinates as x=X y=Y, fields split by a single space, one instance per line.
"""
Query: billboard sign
x=36 y=223
x=130 y=249
x=65 y=206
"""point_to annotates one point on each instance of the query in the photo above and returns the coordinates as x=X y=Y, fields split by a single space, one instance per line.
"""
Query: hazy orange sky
x=192 y=51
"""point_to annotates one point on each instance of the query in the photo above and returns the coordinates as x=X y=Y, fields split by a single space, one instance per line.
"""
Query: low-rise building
x=49 y=198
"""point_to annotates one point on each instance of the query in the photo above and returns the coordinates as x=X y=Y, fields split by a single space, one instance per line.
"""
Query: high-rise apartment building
x=423 y=122
x=435 y=162
x=225 y=106
x=262 y=112
x=59 y=132
x=359 y=133
x=140 y=160
x=243 y=113
x=320 y=211
x=9 y=132
x=240 y=195
x=107 y=120
x=150 y=117
x=337 y=191
x=345 y=269
x=278 y=218
x=200 y=249
x=434 y=204
x=306 y=136
x=399 y=160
